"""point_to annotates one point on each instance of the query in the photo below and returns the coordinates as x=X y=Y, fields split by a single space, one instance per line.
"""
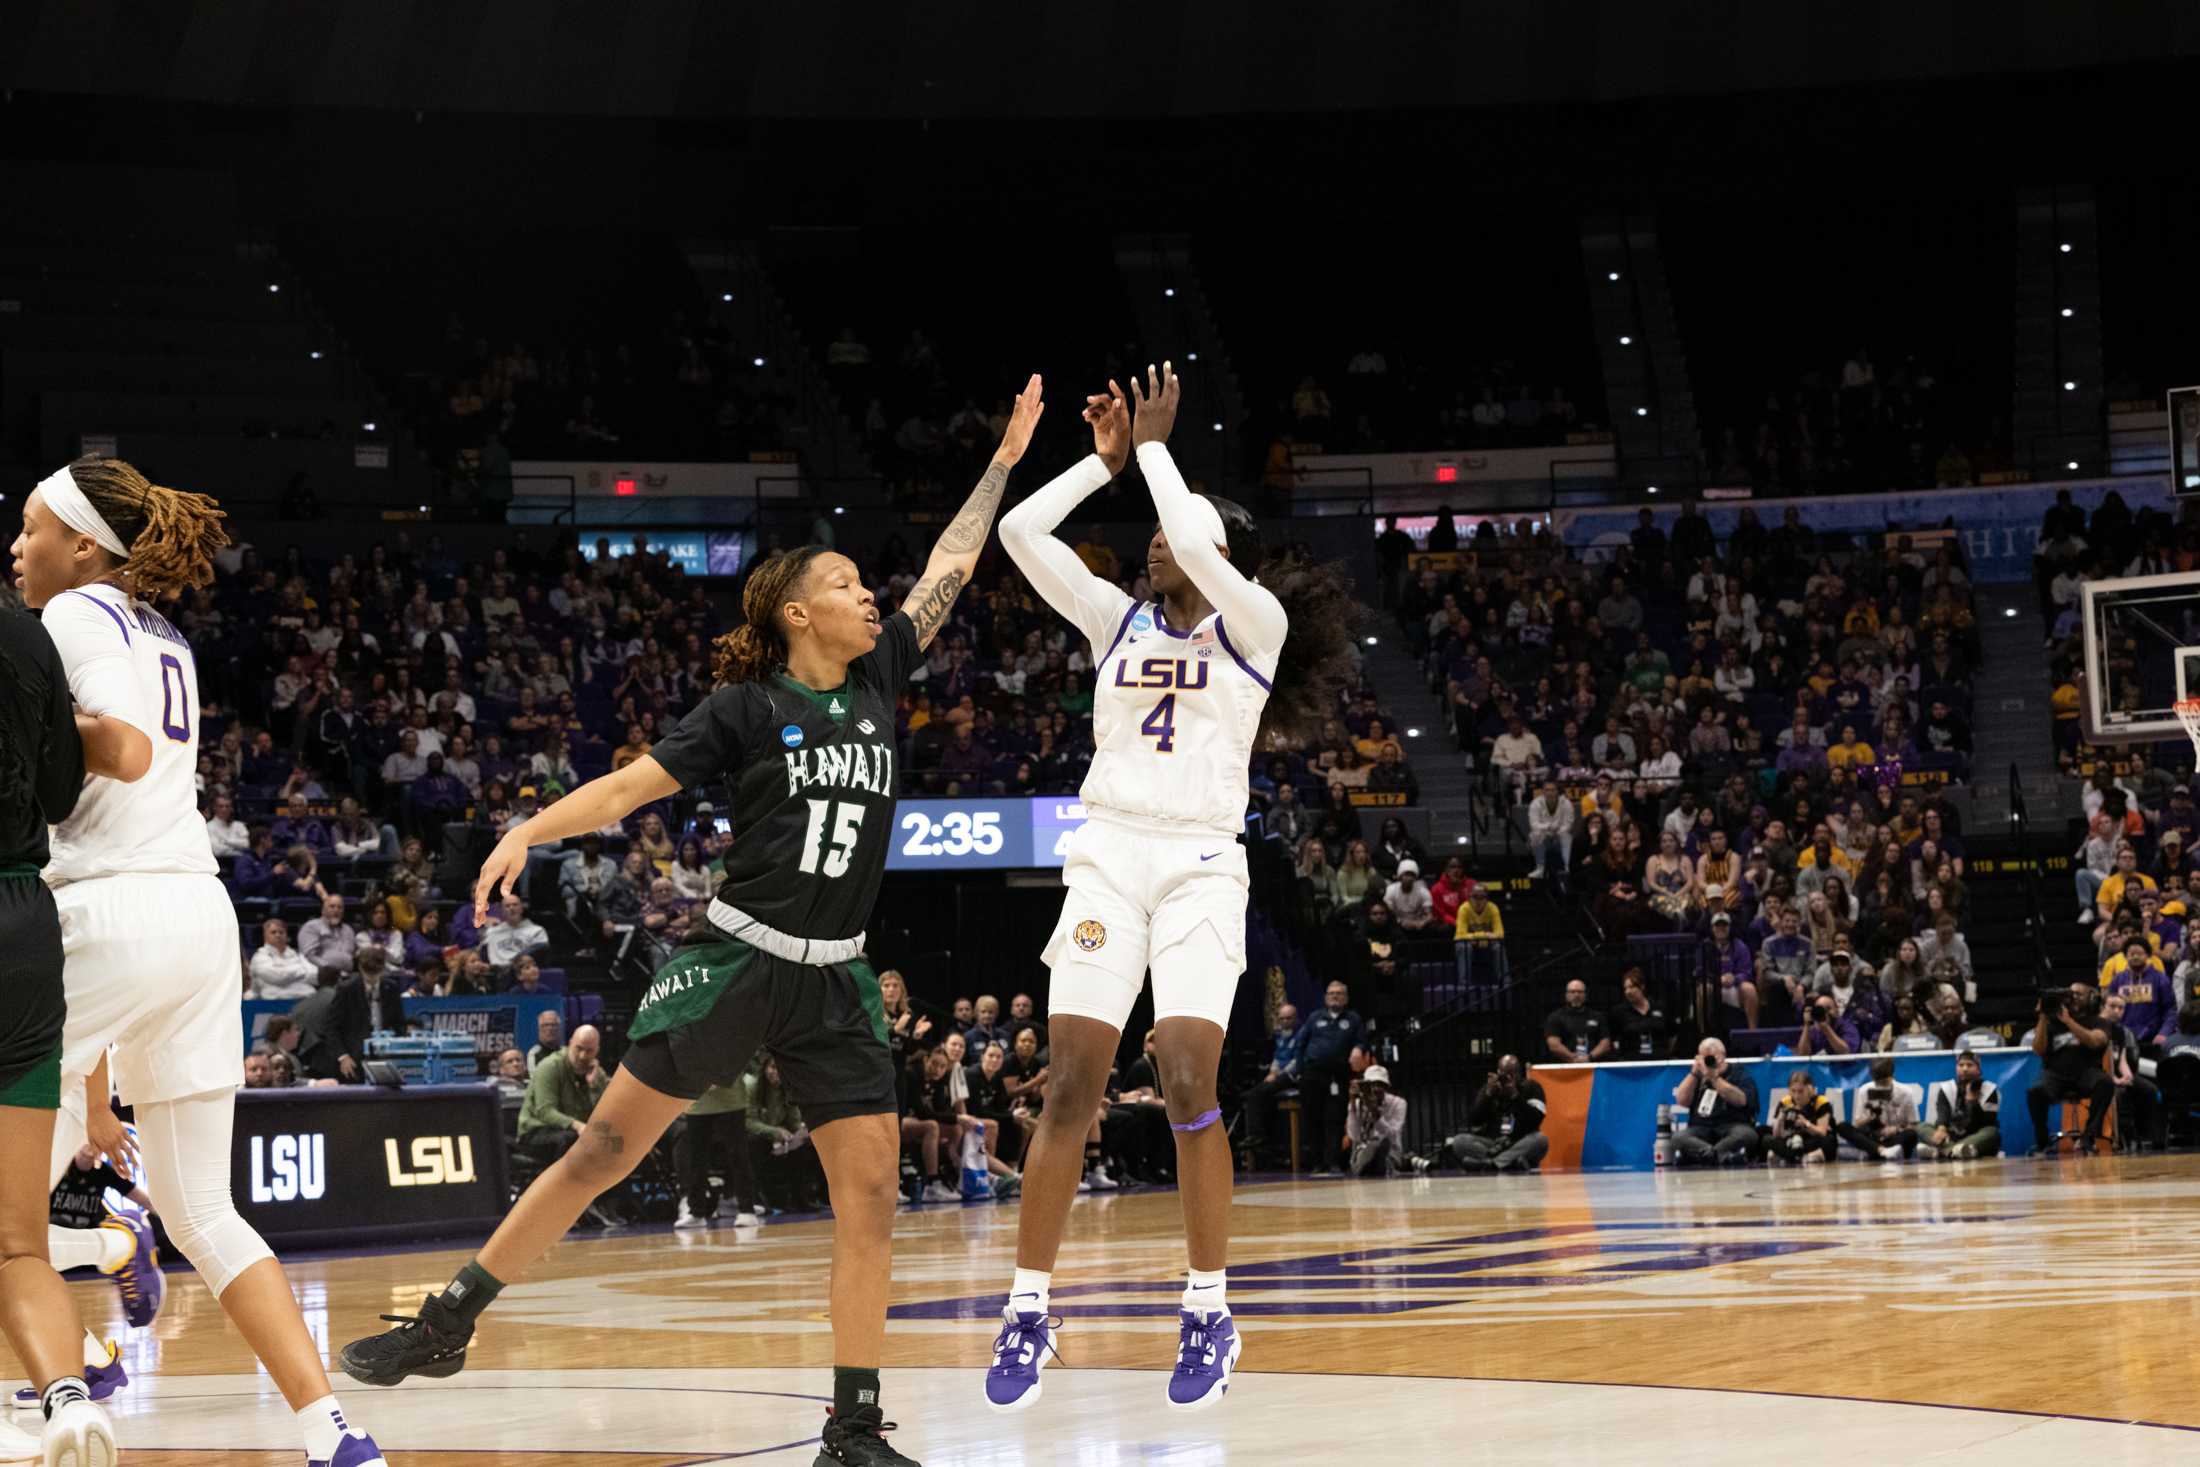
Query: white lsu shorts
x=151 y=966
x=1172 y=904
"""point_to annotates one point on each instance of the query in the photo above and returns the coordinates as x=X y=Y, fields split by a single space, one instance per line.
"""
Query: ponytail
x=758 y=648
x=1319 y=654
x=173 y=535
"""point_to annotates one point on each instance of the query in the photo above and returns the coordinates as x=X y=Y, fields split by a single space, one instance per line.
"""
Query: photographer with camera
x=1505 y=1126
x=2070 y=1051
x=1886 y=1117
x=1966 y=1115
x=1722 y=1106
x=1826 y=1030
x=1802 y=1124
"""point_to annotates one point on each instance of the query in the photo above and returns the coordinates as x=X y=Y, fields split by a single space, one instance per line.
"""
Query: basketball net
x=2188 y=714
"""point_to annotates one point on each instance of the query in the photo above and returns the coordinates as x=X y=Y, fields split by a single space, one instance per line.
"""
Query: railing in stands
x=1444 y=1054
x=2035 y=919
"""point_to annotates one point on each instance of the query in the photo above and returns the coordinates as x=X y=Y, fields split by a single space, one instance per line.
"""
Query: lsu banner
x=1999 y=524
x=1605 y=1117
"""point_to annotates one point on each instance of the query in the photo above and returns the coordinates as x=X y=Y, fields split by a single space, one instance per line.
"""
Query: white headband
x=1211 y=520
x=71 y=508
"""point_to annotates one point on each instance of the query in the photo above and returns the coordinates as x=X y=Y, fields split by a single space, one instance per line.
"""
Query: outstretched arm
x=594 y=805
x=955 y=557
x=1092 y=605
x=1254 y=616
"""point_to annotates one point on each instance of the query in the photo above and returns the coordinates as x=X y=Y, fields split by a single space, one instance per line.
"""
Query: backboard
x=2142 y=652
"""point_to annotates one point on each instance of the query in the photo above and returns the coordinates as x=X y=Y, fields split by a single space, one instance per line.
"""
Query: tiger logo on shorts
x=1091 y=936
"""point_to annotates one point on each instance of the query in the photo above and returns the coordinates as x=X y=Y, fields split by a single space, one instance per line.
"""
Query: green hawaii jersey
x=812 y=778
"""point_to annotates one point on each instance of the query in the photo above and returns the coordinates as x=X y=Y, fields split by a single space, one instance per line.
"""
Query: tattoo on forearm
x=969 y=528
x=930 y=601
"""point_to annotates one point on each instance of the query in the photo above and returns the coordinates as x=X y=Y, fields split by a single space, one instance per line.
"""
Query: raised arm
x=1094 y=606
x=1254 y=616
x=955 y=556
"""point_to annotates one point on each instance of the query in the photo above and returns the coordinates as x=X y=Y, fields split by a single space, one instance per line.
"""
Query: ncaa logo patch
x=791 y=736
x=1091 y=936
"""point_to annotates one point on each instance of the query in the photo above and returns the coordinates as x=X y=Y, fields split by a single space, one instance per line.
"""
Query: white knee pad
x=186 y=1146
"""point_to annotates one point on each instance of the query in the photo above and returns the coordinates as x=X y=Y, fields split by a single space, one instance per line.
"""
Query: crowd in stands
x=1747 y=742
x=1858 y=426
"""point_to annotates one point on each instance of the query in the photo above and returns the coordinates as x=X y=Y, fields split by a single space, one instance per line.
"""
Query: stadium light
x=274 y=289
x=1653 y=488
x=1370 y=641
x=2072 y=465
x=368 y=426
x=1611 y=275
x=1461 y=841
x=1168 y=292
x=2066 y=313
x=2066 y=249
x=1627 y=341
x=2009 y=611
x=726 y=295
x=1413 y=733
x=843 y=509
x=756 y=361
x=1644 y=413
x=2070 y=387
x=423 y=509
x=1191 y=356
x=316 y=356
x=1218 y=427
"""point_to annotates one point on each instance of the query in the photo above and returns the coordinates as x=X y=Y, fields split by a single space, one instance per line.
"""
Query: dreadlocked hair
x=1319 y=656
x=173 y=535
x=758 y=648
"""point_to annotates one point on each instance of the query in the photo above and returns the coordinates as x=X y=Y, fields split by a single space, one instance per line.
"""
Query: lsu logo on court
x=437 y=1161
x=1091 y=936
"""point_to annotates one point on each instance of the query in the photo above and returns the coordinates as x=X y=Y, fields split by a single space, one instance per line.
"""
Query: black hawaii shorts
x=33 y=1006
x=716 y=1002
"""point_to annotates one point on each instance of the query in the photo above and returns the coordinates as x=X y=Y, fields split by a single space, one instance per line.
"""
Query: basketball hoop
x=2188 y=714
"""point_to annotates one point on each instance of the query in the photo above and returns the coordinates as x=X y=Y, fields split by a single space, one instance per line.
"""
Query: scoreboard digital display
x=983 y=834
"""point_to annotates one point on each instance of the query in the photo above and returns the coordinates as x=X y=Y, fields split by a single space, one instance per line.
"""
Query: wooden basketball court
x=2006 y=1312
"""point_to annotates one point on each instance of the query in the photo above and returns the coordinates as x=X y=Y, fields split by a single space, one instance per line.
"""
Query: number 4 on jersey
x=847 y=826
x=1160 y=725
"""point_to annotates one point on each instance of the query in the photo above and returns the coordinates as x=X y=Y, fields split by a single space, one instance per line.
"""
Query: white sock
x=1028 y=1293
x=95 y=1350
x=324 y=1426
x=59 y=1393
x=1203 y=1291
x=101 y=1248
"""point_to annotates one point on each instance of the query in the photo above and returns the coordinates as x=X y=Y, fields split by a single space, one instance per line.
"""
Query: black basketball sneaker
x=857 y=1440
x=431 y=1343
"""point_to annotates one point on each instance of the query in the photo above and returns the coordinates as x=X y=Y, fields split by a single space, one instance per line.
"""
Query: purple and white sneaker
x=101 y=1381
x=357 y=1449
x=1208 y=1348
x=1020 y=1352
x=138 y=1276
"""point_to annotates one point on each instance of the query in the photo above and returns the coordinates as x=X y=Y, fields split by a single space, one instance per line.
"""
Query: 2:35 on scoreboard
x=983 y=834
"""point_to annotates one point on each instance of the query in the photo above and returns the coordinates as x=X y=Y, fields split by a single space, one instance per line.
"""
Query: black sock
x=853 y=1389
x=1092 y=1157
x=472 y=1291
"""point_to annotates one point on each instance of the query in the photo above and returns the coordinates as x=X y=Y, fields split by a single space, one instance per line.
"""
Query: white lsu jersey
x=125 y=661
x=1174 y=715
